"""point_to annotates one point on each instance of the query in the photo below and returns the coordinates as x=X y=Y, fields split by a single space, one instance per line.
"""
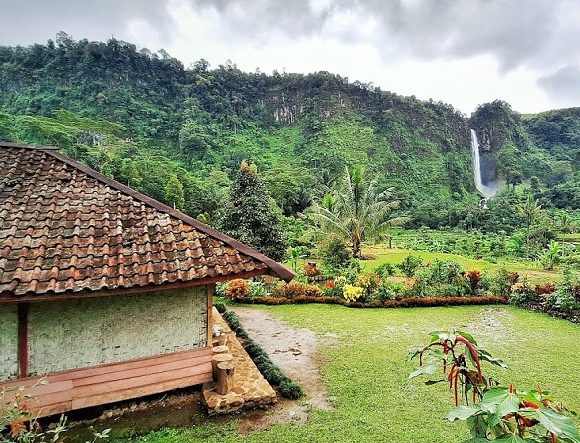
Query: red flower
x=330 y=285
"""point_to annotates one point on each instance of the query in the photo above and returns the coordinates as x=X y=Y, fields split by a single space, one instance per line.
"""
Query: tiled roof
x=65 y=228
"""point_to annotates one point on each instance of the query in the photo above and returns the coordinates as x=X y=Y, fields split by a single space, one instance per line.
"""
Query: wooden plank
x=134 y=382
x=146 y=370
x=41 y=401
x=57 y=408
x=130 y=364
x=40 y=390
x=125 y=394
x=114 y=382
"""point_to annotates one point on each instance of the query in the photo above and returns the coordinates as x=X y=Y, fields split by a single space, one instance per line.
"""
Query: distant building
x=103 y=290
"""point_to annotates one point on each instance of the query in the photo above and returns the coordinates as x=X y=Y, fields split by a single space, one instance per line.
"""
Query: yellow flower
x=352 y=293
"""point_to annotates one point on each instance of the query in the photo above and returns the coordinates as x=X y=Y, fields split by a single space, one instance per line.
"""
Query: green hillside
x=144 y=119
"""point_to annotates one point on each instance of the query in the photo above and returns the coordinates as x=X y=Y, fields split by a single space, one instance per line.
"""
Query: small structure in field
x=104 y=291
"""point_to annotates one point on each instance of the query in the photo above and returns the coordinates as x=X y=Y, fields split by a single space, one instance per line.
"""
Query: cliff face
x=210 y=119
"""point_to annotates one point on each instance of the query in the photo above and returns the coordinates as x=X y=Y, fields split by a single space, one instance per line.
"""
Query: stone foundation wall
x=8 y=342
x=79 y=333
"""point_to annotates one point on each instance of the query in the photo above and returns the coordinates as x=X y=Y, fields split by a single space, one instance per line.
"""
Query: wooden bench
x=98 y=385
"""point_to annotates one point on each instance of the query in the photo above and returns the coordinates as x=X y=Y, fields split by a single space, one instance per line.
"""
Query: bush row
x=285 y=386
x=403 y=303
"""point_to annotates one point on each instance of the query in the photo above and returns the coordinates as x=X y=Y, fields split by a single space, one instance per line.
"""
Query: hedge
x=285 y=386
x=409 y=302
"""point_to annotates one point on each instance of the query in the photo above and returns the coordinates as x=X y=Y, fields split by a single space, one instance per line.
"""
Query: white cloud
x=463 y=53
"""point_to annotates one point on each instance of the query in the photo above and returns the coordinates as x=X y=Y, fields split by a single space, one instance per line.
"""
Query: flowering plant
x=352 y=293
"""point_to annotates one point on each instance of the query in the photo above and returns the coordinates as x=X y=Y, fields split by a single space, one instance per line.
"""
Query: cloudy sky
x=464 y=52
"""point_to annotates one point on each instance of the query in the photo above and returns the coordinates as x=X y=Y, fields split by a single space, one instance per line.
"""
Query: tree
x=359 y=212
x=174 y=194
x=250 y=214
x=530 y=210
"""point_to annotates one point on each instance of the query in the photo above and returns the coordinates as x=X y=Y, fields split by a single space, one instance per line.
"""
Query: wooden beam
x=23 y=309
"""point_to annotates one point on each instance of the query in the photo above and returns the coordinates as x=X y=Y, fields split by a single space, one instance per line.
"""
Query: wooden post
x=23 y=309
x=216 y=360
x=225 y=377
x=210 y=292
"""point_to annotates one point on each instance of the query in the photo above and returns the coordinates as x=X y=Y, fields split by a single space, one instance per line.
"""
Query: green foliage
x=492 y=412
x=221 y=308
x=360 y=212
x=249 y=216
x=272 y=373
x=385 y=270
x=174 y=192
x=409 y=265
x=334 y=252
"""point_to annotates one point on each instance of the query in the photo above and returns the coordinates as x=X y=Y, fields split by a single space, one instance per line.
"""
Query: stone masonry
x=251 y=390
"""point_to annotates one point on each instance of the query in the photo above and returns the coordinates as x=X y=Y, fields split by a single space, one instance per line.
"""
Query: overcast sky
x=463 y=52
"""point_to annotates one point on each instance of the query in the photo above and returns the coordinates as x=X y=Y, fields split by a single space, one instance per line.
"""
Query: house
x=104 y=292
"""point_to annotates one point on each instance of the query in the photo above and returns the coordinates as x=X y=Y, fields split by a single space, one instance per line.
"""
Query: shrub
x=409 y=265
x=235 y=323
x=351 y=272
x=389 y=290
x=288 y=389
x=257 y=289
x=385 y=270
x=474 y=277
x=295 y=289
x=370 y=282
x=352 y=293
x=503 y=281
x=545 y=289
x=237 y=289
x=567 y=294
x=335 y=253
x=221 y=308
x=522 y=294
x=311 y=270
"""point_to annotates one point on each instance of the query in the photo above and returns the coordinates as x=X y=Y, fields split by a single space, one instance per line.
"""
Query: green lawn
x=366 y=371
x=383 y=255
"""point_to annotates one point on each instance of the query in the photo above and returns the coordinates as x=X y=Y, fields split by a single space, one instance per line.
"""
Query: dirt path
x=294 y=351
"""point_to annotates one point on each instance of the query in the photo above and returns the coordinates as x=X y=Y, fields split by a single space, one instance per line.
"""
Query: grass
x=530 y=269
x=365 y=371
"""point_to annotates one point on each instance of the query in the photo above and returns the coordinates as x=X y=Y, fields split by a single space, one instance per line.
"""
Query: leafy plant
x=551 y=256
x=19 y=425
x=492 y=412
x=474 y=279
x=335 y=253
x=360 y=212
x=385 y=270
x=459 y=356
x=389 y=290
x=237 y=289
x=523 y=294
x=352 y=293
x=410 y=264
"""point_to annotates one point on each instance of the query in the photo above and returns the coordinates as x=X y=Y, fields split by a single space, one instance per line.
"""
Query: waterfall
x=488 y=190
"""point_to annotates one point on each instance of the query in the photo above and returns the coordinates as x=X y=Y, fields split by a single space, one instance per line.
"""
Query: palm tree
x=357 y=211
x=530 y=210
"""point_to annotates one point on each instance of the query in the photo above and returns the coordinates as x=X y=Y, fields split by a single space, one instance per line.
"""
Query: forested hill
x=145 y=120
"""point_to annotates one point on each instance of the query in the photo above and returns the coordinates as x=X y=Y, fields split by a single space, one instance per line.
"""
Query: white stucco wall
x=72 y=334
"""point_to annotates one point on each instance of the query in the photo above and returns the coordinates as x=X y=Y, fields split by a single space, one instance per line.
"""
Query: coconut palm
x=356 y=211
x=530 y=210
